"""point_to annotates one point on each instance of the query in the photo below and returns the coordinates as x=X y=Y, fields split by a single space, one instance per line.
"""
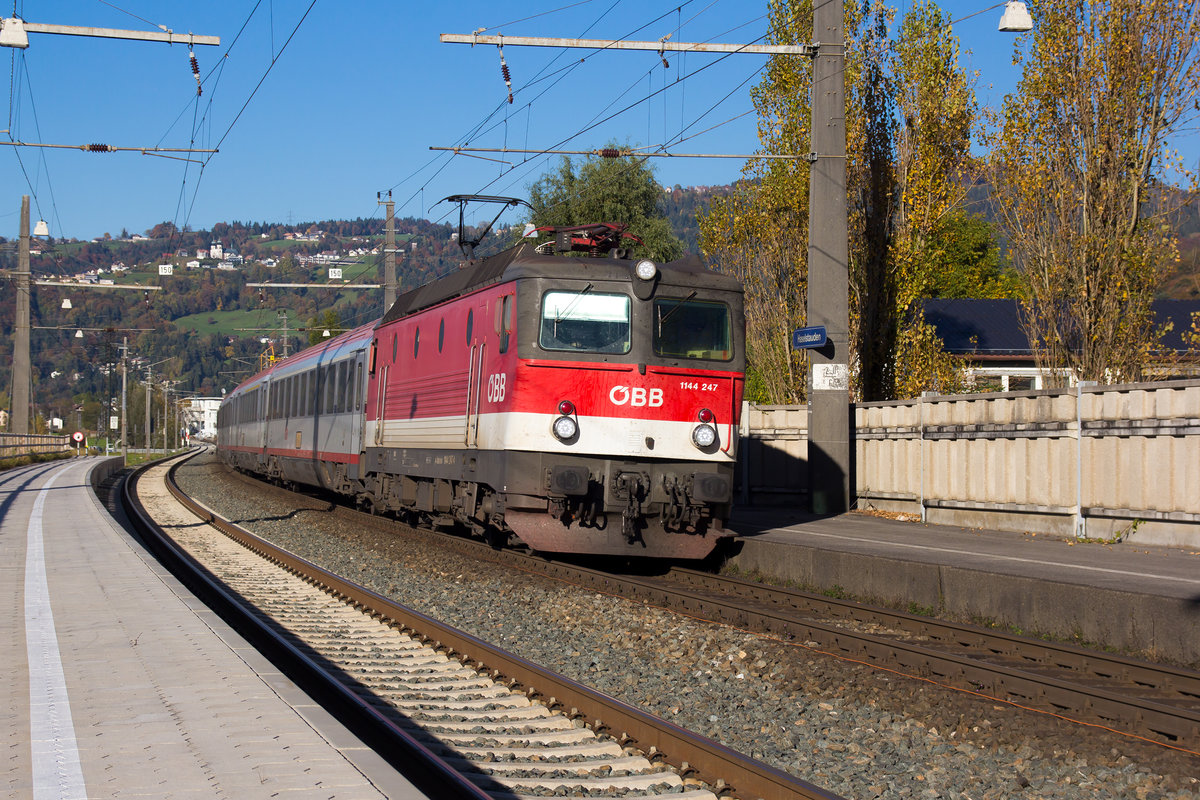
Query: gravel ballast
x=854 y=729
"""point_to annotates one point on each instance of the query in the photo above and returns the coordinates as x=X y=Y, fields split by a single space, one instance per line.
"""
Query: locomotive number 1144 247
x=698 y=386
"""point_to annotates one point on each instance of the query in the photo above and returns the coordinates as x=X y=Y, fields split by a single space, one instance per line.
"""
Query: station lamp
x=1016 y=18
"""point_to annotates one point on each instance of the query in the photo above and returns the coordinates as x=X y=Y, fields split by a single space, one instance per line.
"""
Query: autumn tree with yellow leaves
x=759 y=233
x=1077 y=161
x=909 y=121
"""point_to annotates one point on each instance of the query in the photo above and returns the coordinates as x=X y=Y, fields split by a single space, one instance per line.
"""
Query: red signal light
x=706 y=415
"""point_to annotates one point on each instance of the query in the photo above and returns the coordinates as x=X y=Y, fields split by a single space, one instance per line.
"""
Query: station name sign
x=809 y=338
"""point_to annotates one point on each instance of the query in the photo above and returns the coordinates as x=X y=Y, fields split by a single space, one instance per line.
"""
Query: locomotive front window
x=686 y=328
x=585 y=322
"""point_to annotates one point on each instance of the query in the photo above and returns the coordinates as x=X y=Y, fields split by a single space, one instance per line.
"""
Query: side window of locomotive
x=504 y=321
x=585 y=322
x=686 y=328
x=470 y=324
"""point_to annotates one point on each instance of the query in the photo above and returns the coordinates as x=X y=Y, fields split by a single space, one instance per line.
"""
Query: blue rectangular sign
x=808 y=338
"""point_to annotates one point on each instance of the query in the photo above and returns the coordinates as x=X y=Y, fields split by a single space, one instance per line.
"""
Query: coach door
x=357 y=401
x=264 y=413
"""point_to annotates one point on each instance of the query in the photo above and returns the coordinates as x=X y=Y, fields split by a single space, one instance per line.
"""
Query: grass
x=33 y=458
x=137 y=459
x=226 y=323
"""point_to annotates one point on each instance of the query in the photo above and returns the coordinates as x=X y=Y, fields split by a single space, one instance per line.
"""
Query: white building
x=200 y=416
x=215 y=250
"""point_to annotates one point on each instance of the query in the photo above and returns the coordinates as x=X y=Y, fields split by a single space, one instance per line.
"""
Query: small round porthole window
x=441 y=334
x=416 y=342
x=470 y=323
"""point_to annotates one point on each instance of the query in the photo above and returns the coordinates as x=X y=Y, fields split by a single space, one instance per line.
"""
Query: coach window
x=346 y=387
x=330 y=387
x=395 y=336
x=337 y=375
x=470 y=324
x=416 y=342
x=339 y=392
x=441 y=333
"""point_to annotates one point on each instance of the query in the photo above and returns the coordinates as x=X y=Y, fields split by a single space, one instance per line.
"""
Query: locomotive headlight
x=704 y=436
x=565 y=429
x=645 y=269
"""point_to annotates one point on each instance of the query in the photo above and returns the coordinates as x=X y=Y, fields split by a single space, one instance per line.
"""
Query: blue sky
x=360 y=93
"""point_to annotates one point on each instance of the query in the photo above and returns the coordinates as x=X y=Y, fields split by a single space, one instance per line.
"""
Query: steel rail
x=732 y=773
x=425 y=770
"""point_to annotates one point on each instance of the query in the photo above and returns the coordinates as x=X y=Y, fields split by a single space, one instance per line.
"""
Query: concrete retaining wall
x=1103 y=462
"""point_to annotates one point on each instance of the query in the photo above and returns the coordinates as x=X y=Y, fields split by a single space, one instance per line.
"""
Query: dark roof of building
x=993 y=327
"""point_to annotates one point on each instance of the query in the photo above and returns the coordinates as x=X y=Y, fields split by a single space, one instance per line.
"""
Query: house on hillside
x=988 y=335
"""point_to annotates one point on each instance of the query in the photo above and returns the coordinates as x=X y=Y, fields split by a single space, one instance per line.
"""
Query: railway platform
x=118 y=683
x=1135 y=598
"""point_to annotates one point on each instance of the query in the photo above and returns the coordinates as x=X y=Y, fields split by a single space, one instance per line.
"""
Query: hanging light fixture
x=41 y=228
x=325 y=333
x=79 y=334
x=1016 y=18
x=66 y=303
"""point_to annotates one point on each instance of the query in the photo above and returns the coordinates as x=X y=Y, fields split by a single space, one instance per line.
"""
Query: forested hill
x=209 y=329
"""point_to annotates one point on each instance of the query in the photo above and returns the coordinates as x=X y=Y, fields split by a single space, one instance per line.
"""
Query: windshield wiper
x=671 y=313
x=566 y=311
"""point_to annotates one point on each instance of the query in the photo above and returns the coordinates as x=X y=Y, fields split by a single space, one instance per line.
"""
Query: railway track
x=485 y=723
x=1156 y=702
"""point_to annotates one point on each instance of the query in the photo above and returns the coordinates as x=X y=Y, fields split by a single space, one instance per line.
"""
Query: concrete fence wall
x=20 y=444
x=1102 y=462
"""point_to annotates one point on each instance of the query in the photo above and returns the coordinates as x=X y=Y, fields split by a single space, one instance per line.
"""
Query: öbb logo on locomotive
x=495 y=387
x=637 y=396
x=595 y=412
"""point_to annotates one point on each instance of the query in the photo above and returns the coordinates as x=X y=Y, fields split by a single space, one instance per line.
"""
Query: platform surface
x=116 y=682
x=1140 y=598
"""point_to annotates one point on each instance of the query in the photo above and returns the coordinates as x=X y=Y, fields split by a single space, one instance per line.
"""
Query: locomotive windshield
x=585 y=322
x=686 y=328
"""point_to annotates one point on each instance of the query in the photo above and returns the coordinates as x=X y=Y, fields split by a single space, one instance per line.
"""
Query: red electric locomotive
x=582 y=405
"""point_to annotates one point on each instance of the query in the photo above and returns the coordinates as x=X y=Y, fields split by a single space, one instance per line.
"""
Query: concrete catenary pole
x=149 y=375
x=389 y=253
x=830 y=468
x=22 y=380
x=124 y=402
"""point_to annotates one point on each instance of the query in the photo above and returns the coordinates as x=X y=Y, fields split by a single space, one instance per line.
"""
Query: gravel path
x=857 y=730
